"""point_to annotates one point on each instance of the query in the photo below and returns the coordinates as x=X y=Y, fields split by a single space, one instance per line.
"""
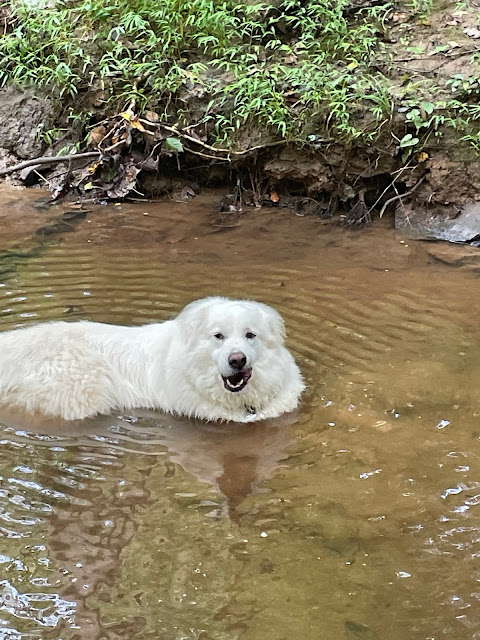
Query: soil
x=349 y=183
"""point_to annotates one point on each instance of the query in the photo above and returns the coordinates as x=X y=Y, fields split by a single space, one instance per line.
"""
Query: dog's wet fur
x=219 y=359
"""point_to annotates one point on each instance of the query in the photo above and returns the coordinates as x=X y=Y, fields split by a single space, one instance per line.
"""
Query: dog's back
x=74 y=370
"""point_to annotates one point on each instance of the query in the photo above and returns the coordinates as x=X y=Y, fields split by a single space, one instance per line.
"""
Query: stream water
x=357 y=517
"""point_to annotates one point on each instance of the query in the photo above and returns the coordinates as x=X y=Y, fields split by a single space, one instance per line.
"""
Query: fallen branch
x=392 y=184
x=48 y=160
x=206 y=155
x=401 y=195
x=228 y=152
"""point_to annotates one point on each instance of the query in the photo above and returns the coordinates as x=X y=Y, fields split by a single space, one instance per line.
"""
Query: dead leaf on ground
x=151 y=116
x=126 y=183
x=150 y=164
x=96 y=136
x=128 y=114
x=124 y=136
x=133 y=120
x=421 y=156
x=93 y=167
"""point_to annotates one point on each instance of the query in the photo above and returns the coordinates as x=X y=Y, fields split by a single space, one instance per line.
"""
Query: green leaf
x=408 y=141
x=428 y=107
x=173 y=144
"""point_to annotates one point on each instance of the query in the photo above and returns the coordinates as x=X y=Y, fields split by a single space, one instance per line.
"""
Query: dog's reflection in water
x=233 y=458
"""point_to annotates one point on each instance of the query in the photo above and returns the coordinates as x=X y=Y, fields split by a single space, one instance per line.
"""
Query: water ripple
x=45 y=609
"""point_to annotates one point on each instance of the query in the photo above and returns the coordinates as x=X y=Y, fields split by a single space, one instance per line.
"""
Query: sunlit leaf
x=127 y=115
x=136 y=124
x=93 y=167
x=421 y=157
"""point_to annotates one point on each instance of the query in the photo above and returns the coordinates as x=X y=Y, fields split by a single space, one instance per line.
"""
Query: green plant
x=291 y=66
x=464 y=87
x=52 y=135
x=420 y=6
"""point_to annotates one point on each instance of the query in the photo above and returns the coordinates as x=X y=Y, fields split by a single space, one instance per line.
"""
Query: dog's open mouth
x=238 y=381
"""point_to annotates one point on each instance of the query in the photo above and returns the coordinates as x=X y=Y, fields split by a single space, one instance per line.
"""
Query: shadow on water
x=355 y=518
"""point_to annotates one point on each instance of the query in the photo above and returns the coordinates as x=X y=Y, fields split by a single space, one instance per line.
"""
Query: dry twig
x=400 y=196
x=48 y=160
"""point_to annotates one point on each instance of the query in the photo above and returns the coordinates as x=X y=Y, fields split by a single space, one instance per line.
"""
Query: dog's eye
x=250 y=335
x=219 y=336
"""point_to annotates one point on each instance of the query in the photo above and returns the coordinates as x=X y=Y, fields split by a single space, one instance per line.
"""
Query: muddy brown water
x=357 y=517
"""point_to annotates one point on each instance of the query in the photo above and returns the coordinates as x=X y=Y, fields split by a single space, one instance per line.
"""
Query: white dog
x=219 y=359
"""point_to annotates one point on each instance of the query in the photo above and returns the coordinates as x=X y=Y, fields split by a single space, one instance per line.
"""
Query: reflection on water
x=356 y=518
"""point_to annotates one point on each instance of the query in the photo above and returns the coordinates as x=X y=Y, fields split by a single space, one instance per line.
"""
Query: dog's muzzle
x=239 y=380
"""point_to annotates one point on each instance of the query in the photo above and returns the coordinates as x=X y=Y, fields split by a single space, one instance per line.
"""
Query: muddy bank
x=405 y=145
x=429 y=197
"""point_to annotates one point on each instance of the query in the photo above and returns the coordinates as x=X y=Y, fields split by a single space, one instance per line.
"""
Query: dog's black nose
x=237 y=360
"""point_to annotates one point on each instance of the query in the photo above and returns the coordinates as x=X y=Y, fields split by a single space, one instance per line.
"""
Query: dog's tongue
x=241 y=376
x=247 y=374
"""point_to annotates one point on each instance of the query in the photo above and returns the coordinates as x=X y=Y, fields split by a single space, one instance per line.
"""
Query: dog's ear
x=191 y=312
x=275 y=324
x=193 y=316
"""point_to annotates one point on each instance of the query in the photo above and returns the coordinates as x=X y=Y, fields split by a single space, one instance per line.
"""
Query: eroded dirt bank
x=419 y=164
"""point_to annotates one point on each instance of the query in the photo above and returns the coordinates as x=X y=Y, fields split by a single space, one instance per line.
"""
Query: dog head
x=231 y=344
